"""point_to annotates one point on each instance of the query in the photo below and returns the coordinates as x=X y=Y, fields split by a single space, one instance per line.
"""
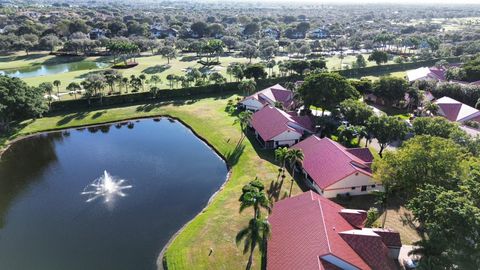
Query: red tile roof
x=356 y=218
x=271 y=121
x=328 y=162
x=389 y=237
x=454 y=110
x=306 y=231
x=370 y=247
x=272 y=94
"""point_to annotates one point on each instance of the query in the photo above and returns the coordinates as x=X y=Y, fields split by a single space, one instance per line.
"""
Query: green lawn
x=216 y=227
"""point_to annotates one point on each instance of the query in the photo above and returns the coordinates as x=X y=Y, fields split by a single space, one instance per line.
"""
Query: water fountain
x=106 y=187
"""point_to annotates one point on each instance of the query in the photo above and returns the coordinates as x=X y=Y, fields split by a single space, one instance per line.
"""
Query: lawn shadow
x=233 y=156
x=74 y=116
x=22 y=57
x=156 y=69
x=189 y=58
x=63 y=60
x=98 y=114
x=275 y=189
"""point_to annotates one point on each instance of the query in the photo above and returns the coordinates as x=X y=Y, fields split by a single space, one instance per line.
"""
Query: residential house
x=319 y=33
x=456 y=111
x=271 y=33
x=274 y=128
x=272 y=95
x=425 y=73
x=310 y=232
x=96 y=34
x=162 y=32
x=331 y=169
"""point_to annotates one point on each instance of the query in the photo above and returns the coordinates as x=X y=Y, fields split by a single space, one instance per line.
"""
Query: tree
x=253 y=195
x=250 y=52
x=435 y=126
x=379 y=57
x=386 y=129
x=155 y=79
x=247 y=87
x=294 y=156
x=49 y=42
x=217 y=78
x=230 y=42
x=355 y=111
x=168 y=52
x=170 y=79
x=256 y=233
x=326 y=90
x=94 y=85
x=19 y=101
x=199 y=28
x=74 y=87
x=47 y=88
x=251 y=29
x=372 y=216
x=451 y=220
x=420 y=161
x=255 y=71
x=360 y=61
x=304 y=50
x=57 y=84
x=243 y=119
x=391 y=89
x=281 y=155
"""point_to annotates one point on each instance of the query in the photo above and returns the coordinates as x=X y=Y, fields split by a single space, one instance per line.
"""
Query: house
x=271 y=33
x=274 y=127
x=272 y=95
x=456 y=111
x=310 y=232
x=425 y=73
x=96 y=34
x=161 y=32
x=319 y=33
x=331 y=169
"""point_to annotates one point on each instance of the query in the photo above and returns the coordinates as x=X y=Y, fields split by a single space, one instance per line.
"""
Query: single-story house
x=331 y=169
x=161 y=32
x=456 y=111
x=96 y=34
x=269 y=96
x=310 y=232
x=319 y=33
x=274 y=127
x=425 y=73
x=271 y=33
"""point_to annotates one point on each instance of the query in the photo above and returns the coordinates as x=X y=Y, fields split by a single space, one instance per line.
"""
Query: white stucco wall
x=356 y=180
x=288 y=137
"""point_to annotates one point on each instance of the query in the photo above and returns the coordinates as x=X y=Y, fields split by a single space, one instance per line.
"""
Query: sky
x=374 y=1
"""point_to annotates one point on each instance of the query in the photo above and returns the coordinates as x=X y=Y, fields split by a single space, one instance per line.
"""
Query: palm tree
x=57 y=84
x=253 y=195
x=243 y=119
x=142 y=78
x=294 y=156
x=432 y=107
x=247 y=87
x=74 y=87
x=125 y=83
x=155 y=79
x=477 y=105
x=256 y=233
x=281 y=155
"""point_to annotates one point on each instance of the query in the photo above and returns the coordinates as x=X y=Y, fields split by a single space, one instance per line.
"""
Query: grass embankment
x=216 y=227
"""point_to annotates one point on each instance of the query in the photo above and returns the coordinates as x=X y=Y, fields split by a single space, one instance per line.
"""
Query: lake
x=46 y=223
x=43 y=70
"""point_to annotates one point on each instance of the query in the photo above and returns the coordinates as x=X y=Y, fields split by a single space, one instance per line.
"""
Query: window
x=373 y=186
x=364 y=188
x=353 y=188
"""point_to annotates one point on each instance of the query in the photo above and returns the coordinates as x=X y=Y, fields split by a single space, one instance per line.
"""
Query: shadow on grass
x=275 y=189
x=98 y=114
x=233 y=156
x=156 y=69
x=74 y=116
x=14 y=57
x=152 y=106
x=189 y=58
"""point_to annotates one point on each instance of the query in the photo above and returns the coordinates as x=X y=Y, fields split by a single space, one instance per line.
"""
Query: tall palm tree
x=247 y=87
x=294 y=156
x=281 y=155
x=255 y=234
x=253 y=195
x=74 y=87
x=243 y=119
x=125 y=83
x=155 y=79
x=57 y=84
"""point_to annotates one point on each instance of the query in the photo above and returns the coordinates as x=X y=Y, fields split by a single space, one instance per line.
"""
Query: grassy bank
x=216 y=227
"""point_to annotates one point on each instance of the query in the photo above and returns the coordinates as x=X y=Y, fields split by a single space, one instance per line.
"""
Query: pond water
x=43 y=70
x=46 y=223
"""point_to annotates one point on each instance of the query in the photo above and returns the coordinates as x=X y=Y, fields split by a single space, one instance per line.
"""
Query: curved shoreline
x=160 y=262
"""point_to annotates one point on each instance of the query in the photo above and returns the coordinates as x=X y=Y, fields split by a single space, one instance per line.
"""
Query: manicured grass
x=216 y=227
